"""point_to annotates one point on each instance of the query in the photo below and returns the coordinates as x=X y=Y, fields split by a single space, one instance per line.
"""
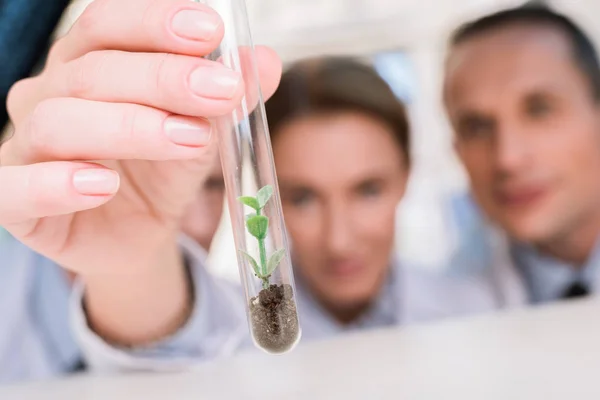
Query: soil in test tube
x=275 y=318
x=273 y=313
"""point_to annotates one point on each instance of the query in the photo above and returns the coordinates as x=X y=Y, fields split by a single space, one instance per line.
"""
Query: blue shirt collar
x=547 y=277
x=383 y=312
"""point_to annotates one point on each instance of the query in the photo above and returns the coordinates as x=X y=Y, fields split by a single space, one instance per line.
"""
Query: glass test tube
x=253 y=194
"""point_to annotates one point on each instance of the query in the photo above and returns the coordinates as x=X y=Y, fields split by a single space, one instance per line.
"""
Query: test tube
x=253 y=194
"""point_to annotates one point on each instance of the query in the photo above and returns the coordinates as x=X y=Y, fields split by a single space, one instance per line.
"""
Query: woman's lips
x=345 y=269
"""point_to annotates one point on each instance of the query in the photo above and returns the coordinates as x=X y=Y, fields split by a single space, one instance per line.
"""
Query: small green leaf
x=275 y=260
x=250 y=202
x=258 y=226
x=252 y=262
x=264 y=195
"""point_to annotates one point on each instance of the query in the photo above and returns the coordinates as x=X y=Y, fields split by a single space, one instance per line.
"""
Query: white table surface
x=545 y=353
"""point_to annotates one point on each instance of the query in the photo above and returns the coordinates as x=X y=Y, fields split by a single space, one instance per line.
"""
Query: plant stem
x=263 y=259
x=263 y=256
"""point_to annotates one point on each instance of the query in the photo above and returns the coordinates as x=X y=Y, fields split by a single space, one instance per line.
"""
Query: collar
x=317 y=322
x=547 y=277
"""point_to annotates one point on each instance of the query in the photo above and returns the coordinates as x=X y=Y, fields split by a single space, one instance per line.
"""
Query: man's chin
x=527 y=230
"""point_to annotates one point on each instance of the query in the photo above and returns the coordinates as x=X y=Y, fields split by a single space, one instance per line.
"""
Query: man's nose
x=511 y=150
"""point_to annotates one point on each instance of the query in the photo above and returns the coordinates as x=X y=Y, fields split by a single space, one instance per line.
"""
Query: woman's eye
x=475 y=129
x=301 y=199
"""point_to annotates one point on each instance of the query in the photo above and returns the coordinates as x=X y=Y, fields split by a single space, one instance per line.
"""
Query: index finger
x=51 y=189
x=170 y=26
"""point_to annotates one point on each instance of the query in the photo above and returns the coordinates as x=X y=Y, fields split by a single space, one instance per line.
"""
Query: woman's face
x=341 y=177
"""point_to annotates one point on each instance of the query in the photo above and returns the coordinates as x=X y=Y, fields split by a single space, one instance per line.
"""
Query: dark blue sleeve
x=25 y=30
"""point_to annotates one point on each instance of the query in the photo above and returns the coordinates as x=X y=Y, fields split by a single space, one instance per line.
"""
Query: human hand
x=113 y=138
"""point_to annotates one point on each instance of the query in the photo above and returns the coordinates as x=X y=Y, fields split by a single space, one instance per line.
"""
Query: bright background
x=406 y=40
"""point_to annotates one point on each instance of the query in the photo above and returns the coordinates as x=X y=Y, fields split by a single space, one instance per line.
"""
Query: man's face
x=527 y=130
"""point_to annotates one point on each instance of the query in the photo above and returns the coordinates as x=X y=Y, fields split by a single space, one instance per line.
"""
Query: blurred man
x=522 y=91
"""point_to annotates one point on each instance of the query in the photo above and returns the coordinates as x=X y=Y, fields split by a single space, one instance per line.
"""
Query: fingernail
x=187 y=131
x=96 y=182
x=214 y=82
x=195 y=24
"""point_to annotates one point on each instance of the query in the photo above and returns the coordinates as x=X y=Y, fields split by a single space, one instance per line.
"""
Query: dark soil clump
x=275 y=318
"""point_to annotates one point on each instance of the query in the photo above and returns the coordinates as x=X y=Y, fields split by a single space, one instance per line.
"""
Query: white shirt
x=218 y=325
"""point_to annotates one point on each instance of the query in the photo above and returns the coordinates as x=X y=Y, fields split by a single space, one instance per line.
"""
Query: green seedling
x=258 y=226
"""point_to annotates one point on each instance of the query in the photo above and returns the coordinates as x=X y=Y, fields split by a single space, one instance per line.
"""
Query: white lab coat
x=506 y=283
x=218 y=325
x=36 y=317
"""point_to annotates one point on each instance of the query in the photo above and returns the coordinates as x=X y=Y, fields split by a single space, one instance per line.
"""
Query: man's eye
x=538 y=108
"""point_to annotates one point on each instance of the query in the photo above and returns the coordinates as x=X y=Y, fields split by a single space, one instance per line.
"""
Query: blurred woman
x=341 y=146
